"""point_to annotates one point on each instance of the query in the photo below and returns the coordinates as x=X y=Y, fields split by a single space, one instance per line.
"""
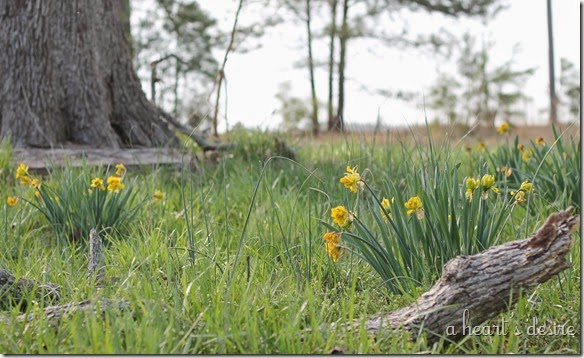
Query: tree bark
x=343 y=38
x=481 y=286
x=66 y=76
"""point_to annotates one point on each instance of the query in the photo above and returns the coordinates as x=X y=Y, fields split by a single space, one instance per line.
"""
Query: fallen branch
x=190 y=132
x=481 y=286
x=14 y=291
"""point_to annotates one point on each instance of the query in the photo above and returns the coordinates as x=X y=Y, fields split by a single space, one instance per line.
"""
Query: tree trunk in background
x=331 y=115
x=314 y=116
x=344 y=36
x=553 y=97
x=66 y=76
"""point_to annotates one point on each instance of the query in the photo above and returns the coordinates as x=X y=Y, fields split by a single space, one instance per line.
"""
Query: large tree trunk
x=66 y=76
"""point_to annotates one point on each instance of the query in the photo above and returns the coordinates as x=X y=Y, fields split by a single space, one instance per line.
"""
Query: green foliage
x=234 y=262
x=553 y=168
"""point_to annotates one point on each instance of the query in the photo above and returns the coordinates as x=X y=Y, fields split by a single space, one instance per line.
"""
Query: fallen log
x=474 y=289
x=14 y=291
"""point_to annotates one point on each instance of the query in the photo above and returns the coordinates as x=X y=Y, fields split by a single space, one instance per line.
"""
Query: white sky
x=253 y=78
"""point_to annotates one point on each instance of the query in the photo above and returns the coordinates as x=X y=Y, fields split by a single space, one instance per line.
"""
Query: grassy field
x=230 y=258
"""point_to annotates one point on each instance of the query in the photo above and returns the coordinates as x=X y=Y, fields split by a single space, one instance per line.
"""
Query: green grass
x=233 y=259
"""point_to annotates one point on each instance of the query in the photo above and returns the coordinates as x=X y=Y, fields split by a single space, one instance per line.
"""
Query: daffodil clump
x=80 y=202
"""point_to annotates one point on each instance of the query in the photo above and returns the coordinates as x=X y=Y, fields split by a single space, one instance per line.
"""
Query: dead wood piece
x=13 y=291
x=39 y=160
x=190 y=132
x=96 y=264
x=481 y=286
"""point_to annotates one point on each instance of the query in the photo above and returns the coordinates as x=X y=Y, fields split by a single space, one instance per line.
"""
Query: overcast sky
x=254 y=77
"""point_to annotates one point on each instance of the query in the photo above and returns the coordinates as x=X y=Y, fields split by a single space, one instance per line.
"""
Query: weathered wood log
x=474 y=289
x=39 y=160
x=13 y=291
x=96 y=264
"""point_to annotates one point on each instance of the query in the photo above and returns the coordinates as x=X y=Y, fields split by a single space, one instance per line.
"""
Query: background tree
x=552 y=72
x=67 y=77
x=484 y=91
x=570 y=87
x=360 y=19
x=174 y=41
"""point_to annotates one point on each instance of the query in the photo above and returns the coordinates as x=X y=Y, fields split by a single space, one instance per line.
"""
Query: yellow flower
x=471 y=185
x=21 y=171
x=481 y=146
x=12 y=200
x=121 y=169
x=341 y=216
x=97 y=183
x=332 y=244
x=503 y=128
x=114 y=184
x=158 y=196
x=519 y=196
x=35 y=183
x=540 y=141
x=520 y=147
x=352 y=179
x=526 y=186
x=488 y=182
x=415 y=206
x=386 y=208
x=507 y=171
x=38 y=195
x=526 y=155
x=22 y=174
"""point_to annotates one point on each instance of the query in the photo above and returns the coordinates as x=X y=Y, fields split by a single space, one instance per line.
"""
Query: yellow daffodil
x=526 y=186
x=503 y=128
x=526 y=156
x=520 y=147
x=488 y=182
x=34 y=183
x=540 y=141
x=97 y=183
x=37 y=194
x=114 y=183
x=121 y=169
x=352 y=179
x=158 y=196
x=519 y=196
x=12 y=200
x=341 y=217
x=506 y=171
x=332 y=244
x=386 y=208
x=481 y=146
x=22 y=174
x=414 y=204
x=471 y=185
